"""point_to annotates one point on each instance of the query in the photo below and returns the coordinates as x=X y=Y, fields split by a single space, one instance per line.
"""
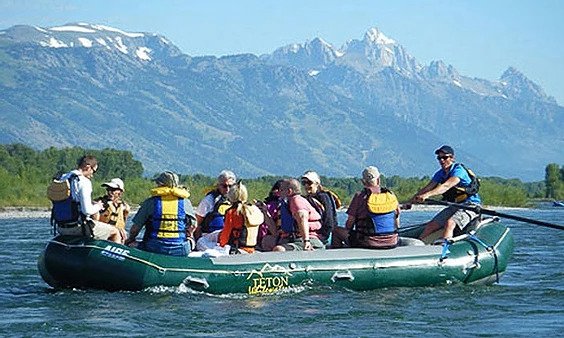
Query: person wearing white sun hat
x=115 y=209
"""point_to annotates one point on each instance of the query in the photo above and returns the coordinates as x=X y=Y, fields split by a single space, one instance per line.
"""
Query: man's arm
x=438 y=189
x=133 y=232
x=302 y=217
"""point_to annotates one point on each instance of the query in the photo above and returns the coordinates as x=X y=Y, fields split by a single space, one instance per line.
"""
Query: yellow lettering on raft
x=267 y=285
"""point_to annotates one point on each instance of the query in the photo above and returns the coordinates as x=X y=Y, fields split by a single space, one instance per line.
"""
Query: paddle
x=479 y=209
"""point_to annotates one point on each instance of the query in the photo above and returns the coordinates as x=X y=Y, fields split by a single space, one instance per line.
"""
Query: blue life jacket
x=214 y=219
x=287 y=221
x=168 y=221
x=382 y=214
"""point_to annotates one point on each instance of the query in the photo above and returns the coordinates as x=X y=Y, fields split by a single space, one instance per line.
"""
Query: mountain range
x=304 y=106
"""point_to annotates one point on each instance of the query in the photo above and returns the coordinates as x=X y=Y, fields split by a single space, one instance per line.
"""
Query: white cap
x=115 y=183
x=370 y=174
x=312 y=176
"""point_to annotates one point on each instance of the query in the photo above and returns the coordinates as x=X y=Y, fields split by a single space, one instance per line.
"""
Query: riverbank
x=41 y=212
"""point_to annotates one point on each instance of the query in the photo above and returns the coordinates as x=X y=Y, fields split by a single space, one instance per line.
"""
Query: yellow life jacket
x=168 y=191
x=168 y=222
x=114 y=214
x=382 y=203
x=381 y=214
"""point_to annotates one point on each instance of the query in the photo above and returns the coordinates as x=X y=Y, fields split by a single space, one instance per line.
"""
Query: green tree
x=552 y=180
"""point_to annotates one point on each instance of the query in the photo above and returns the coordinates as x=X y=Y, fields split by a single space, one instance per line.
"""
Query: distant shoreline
x=25 y=212
x=44 y=212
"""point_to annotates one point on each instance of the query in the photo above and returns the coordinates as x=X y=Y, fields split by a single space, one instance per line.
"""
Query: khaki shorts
x=460 y=217
x=298 y=245
x=101 y=230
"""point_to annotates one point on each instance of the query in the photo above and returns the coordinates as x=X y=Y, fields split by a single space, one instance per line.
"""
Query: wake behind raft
x=479 y=256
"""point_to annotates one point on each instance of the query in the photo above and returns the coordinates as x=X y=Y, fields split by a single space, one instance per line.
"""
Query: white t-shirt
x=206 y=205
x=81 y=192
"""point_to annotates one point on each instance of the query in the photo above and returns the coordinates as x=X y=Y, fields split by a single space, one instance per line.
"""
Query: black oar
x=479 y=209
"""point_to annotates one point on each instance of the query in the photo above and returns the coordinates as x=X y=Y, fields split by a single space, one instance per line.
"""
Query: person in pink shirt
x=307 y=219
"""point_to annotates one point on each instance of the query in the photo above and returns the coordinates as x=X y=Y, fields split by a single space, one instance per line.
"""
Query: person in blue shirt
x=456 y=184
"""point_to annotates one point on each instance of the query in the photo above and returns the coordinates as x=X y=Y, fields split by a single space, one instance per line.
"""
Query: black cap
x=445 y=149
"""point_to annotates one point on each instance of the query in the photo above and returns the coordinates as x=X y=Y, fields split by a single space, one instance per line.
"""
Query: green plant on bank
x=25 y=174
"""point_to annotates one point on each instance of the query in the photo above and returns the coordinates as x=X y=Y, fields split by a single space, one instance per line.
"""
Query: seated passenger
x=115 y=210
x=306 y=220
x=167 y=216
x=210 y=213
x=324 y=201
x=242 y=220
x=269 y=230
x=373 y=217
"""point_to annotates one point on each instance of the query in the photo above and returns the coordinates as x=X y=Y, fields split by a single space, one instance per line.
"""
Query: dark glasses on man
x=444 y=158
x=227 y=185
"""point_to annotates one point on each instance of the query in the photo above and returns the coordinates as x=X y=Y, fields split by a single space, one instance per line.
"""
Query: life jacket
x=114 y=215
x=214 y=219
x=65 y=212
x=288 y=224
x=168 y=221
x=245 y=235
x=325 y=202
x=382 y=214
x=458 y=193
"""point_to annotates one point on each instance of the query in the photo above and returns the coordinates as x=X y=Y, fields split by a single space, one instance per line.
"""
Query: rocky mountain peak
x=516 y=85
x=440 y=70
x=374 y=36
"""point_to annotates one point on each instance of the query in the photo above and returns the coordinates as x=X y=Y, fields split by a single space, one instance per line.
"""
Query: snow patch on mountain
x=71 y=28
x=111 y=29
x=53 y=43
x=40 y=29
x=143 y=53
x=120 y=45
x=85 y=42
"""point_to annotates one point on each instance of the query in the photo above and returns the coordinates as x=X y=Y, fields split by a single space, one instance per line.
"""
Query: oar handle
x=479 y=209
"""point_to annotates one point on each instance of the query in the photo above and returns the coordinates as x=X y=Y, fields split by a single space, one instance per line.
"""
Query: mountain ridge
x=308 y=107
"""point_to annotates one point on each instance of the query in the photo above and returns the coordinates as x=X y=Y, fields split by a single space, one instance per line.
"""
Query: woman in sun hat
x=115 y=210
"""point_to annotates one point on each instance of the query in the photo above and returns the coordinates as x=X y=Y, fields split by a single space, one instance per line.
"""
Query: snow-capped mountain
x=306 y=105
x=142 y=46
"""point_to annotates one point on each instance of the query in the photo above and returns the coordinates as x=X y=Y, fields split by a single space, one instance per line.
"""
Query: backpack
x=65 y=211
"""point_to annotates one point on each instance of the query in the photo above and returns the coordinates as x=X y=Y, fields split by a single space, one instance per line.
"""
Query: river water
x=529 y=300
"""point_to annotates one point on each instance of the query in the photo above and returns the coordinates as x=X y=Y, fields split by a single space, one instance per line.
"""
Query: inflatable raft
x=477 y=257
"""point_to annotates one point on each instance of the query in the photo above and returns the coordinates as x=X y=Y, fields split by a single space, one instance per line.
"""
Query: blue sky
x=480 y=38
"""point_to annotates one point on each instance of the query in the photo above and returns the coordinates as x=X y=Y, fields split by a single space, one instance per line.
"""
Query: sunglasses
x=224 y=185
x=305 y=182
x=444 y=158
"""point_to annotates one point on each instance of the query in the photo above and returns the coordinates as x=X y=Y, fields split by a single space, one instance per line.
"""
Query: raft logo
x=261 y=284
x=114 y=252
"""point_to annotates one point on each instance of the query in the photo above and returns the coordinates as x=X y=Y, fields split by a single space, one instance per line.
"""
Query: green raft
x=477 y=257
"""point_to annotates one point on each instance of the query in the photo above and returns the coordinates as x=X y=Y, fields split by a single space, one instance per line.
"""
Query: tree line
x=25 y=174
